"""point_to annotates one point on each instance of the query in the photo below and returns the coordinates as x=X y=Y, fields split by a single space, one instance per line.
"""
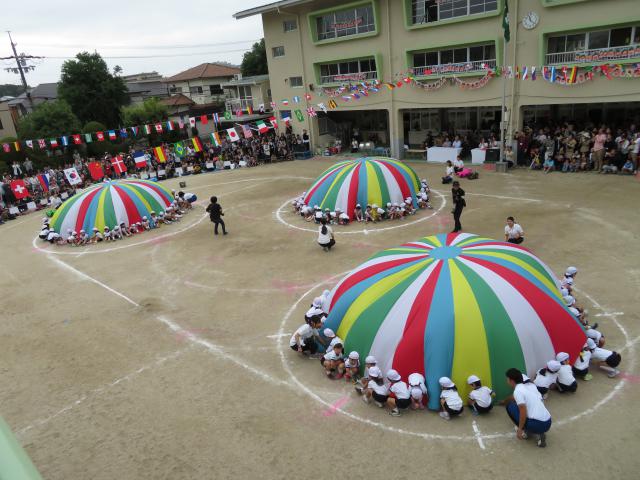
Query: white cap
x=591 y=344
x=571 y=271
x=370 y=360
x=317 y=302
x=416 y=393
x=329 y=333
x=564 y=291
x=569 y=300
x=569 y=280
x=562 y=356
x=358 y=205
x=393 y=376
x=326 y=293
x=591 y=333
x=95 y=229
x=473 y=379
x=525 y=378
x=375 y=372
x=553 y=365
x=82 y=231
x=144 y=218
x=354 y=356
x=445 y=382
x=74 y=233
x=388 y=204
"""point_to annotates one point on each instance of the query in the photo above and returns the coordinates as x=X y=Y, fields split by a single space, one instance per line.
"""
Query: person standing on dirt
x=458 y=204
x=215 y=214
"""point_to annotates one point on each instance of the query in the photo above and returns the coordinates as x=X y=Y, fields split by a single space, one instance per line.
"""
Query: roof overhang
x=270 y=7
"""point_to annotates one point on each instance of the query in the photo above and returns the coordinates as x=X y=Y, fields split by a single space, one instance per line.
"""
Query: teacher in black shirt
x=458 y=204
x=215 y=214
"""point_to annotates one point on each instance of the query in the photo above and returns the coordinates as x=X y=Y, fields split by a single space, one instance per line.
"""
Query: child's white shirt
x=545 y=380
x=452 y=398
x=482 y=396
x=565 y=375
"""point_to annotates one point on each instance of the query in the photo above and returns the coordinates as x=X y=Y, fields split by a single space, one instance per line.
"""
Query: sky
x=172 y=35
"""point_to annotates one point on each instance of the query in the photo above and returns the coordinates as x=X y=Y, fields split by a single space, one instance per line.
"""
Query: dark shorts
x=480 y=409
x=516 y=240
x=542 y=390
x=562 y=388
x=451 y=411
x=579 y=373
x=614 y=359
x=403 y=403
x=379 y=398
x=193 y=199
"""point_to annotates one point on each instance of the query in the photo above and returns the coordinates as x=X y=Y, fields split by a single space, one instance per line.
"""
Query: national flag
x=287 y=120
x=333 y=104
x=227 y=115
x=216 y=118
x=247 y=131
x=76 y=139
x=239 y=112
x=147 y=129
x=192 y=121
x=573 y=75
x=517 y=72
x=112 y=135
x=233 y=135
x=100 y=136
x=134 y=130
x=158 y=152
x=552 y=76
x=533 y=74
x=261 y=108
x=273 y=105
x=88 y=138
x=505 y=22
x=215 y=138
x=19 y=189
x=16 y=145
x=249 y=110
x=95 y=170
x=6 y=147
x=296 y=99
x=285 y=102
x=29 y=143
x=42 y=143
x=118 y=164
x=273 y=122
x=65 y=140
x=307 y=96
x=170 y=127
x=299 y=115
x=203 y=119
x=322 y=107
x=197 y=144
x=262 y=127
x=525 y=72
x=158 y=128
x=54 y=143
x=123 y=133
x=140 y=158
x=311 y=112
x=43 y=178
x=72 y=176
x=178 y=148
x=180 y=124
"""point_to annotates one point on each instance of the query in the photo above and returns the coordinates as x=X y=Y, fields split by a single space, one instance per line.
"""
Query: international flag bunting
x=390 y=86
x=307 y=96
x=525 y=73
x=180 y=124
x=215 y=138
x=296 y=99
x=233 y=135
x=573 y=75
x=285 y=102
x=140 y=159
x=216 y=118
x=158 y=127
x=65 y=140
x=19 y=189
x=42 y=143
x=16 y=145
x=227 y=115
x=88 y=138
x=273 y=122
x=170 y=127
x=249 y=110
x=43 y=178
x=261 y=108
x=273 y=105
x=322 y=107
x=533 y=74
x=147 y=129
x=247 y=131
x=118 y=164
x=72 y=176
x=54 y=143
x=6 y=147
x=311 y=112
x=134 y=130
x=262 y=127
x=552 y=75
x=299 y=115
x=112 y=135
x=197 y=144
x=123 y=133
x=192 y=121
x=29 y=143
x=158 y=152
x=203 y=119
x=239 y=112
x=332 y=103
x=287 y=120
x=95 y=170
x=178 y=148
x=100 y=136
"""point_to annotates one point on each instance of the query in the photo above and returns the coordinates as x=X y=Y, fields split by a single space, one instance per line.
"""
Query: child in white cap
x=596 y=336
x=352 y=367
x=546 y=378
x=357 y=213
x=117 y=233
x=331 y=336
x=369 y=363
x=107 y=234
x=605 y=359
x=450 y=401
x=376 y=388
x=400 y=397
x=566 y=381
x=408 y=206
x=333 y=361
x=145 y=220
x=481 y=397
x=569 y=278
x=418 y=391
x=83 y=238
x=96 y=236
x=303 y=340
x=368 y=215
x=317 y=214
x=343 y=218
x=580 y=367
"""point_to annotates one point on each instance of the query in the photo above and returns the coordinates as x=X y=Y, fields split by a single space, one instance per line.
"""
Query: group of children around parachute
x=172 y=214
x=371 y=213
x=391 y=391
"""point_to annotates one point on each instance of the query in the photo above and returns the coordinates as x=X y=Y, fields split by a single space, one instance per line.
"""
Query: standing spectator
x=459 y=204
x=598 y=149
x=306 y=141
x=17 y=170
x=28 y=166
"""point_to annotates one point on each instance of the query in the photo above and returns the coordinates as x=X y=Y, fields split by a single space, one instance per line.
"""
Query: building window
x=475 y=58
x=295 y=82
x=594 y=46
x=347 y=71
x=215 y=90
x=174 y=89
x=277 y=52
x=289 y=25
x=344 y=23
x=195 y=90
x=428 y=11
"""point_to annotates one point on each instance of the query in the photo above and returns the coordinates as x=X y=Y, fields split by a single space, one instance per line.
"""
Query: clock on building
x=530 y=20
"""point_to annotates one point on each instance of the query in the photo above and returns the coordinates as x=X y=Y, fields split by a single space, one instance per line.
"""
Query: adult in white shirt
x=303 y=340
x=325 y=236
x=526 y=408
x=513 y=232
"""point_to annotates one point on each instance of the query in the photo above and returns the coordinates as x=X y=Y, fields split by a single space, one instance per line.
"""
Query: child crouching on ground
x=605 y=359
x=481 y=397
x=450 y=401
x=566 y=381
x=376 y=388
x=333 y=361
x=580 y=367
x=546 y=378
x=418 y=391
x=400 y=397
x=352 y=367
x=369 y=363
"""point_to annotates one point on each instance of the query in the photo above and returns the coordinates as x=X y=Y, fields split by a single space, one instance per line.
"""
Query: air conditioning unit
x=237 y=76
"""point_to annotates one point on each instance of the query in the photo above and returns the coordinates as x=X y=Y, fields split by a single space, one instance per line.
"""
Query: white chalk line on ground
x=478 y=434
x=611 y=314
x=366 y=231
x=103 y=388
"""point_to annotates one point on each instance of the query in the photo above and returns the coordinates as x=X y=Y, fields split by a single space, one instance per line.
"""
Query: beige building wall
x=393 y=40
x=7 y=128
x=205 y=97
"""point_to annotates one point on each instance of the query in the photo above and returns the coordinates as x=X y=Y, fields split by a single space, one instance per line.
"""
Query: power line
x=142 y=47
x=173 y=55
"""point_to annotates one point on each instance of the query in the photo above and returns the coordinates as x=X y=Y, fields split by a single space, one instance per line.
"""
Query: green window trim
x=313 y=26
x=316 y=67
x=498 y=42
x=467 y=18
x=545 y=34
x=557 y=3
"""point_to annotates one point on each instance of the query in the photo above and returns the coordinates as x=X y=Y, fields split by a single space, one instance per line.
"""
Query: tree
x=91 y=90
x=93 y=127
x=48 y=120
x=151 y=110
x=254 y=62
x=10 y=90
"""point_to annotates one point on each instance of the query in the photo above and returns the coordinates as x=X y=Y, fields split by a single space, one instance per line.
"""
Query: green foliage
x=48 y=120
x=91 y=90
x=149 y=111
x=92 y=127
x=6 y=159
x=254 y=62
x=10 y=90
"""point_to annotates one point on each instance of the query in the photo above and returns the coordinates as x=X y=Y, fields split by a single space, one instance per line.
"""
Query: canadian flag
x=118 y=165
x=233 y=135
x=158 y=128
x=19 y=189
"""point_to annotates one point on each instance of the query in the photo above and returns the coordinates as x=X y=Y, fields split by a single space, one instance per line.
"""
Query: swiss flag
x=118 y=164
x=19 y=189
x=100 y=136
x=76 y=139
x=95 y=170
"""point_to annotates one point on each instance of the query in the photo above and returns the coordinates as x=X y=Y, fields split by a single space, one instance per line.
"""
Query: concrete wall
x=7 y=128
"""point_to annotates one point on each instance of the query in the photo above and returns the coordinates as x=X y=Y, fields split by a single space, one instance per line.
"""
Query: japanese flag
x=233 y=135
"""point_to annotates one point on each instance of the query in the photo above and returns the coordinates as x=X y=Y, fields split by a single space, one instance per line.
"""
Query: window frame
x=438 y=49
x=273 y=51
x=348 y=63
x=296 y=86
x=409 y=14
x=291 y=21
x=313 y=17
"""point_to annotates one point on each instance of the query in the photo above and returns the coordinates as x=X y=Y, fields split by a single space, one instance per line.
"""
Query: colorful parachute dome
x=455 y=305
x=111 y=203
x=367 y=181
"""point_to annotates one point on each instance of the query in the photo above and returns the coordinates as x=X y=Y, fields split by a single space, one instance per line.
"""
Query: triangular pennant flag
x=273 y=122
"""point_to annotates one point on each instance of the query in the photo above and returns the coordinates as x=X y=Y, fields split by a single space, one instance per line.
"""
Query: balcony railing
x=348 y=77
x=234 y=104
x=594 y=55
x=453 y=68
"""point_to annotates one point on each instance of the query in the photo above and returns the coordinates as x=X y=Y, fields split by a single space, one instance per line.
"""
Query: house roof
x=269 y=7
x=205 y=70
x=176 y=100
x=254 y=80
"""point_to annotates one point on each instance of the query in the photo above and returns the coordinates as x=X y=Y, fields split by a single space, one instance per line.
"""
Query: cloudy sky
x=166 y=36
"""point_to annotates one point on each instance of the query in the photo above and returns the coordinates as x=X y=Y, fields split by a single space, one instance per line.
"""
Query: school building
x=316 y=46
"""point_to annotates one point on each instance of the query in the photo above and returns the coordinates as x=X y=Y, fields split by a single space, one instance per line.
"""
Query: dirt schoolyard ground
x=165 y=355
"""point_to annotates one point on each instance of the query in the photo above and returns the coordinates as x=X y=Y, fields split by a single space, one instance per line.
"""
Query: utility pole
x=21 y=62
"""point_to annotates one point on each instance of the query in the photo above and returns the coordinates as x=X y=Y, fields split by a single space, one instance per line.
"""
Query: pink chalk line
x=629 y=377
x=335 y=406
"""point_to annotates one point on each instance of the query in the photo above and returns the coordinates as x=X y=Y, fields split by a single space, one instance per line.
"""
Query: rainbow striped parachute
x=111 y=203
x=455 y=305
x=365 y=181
